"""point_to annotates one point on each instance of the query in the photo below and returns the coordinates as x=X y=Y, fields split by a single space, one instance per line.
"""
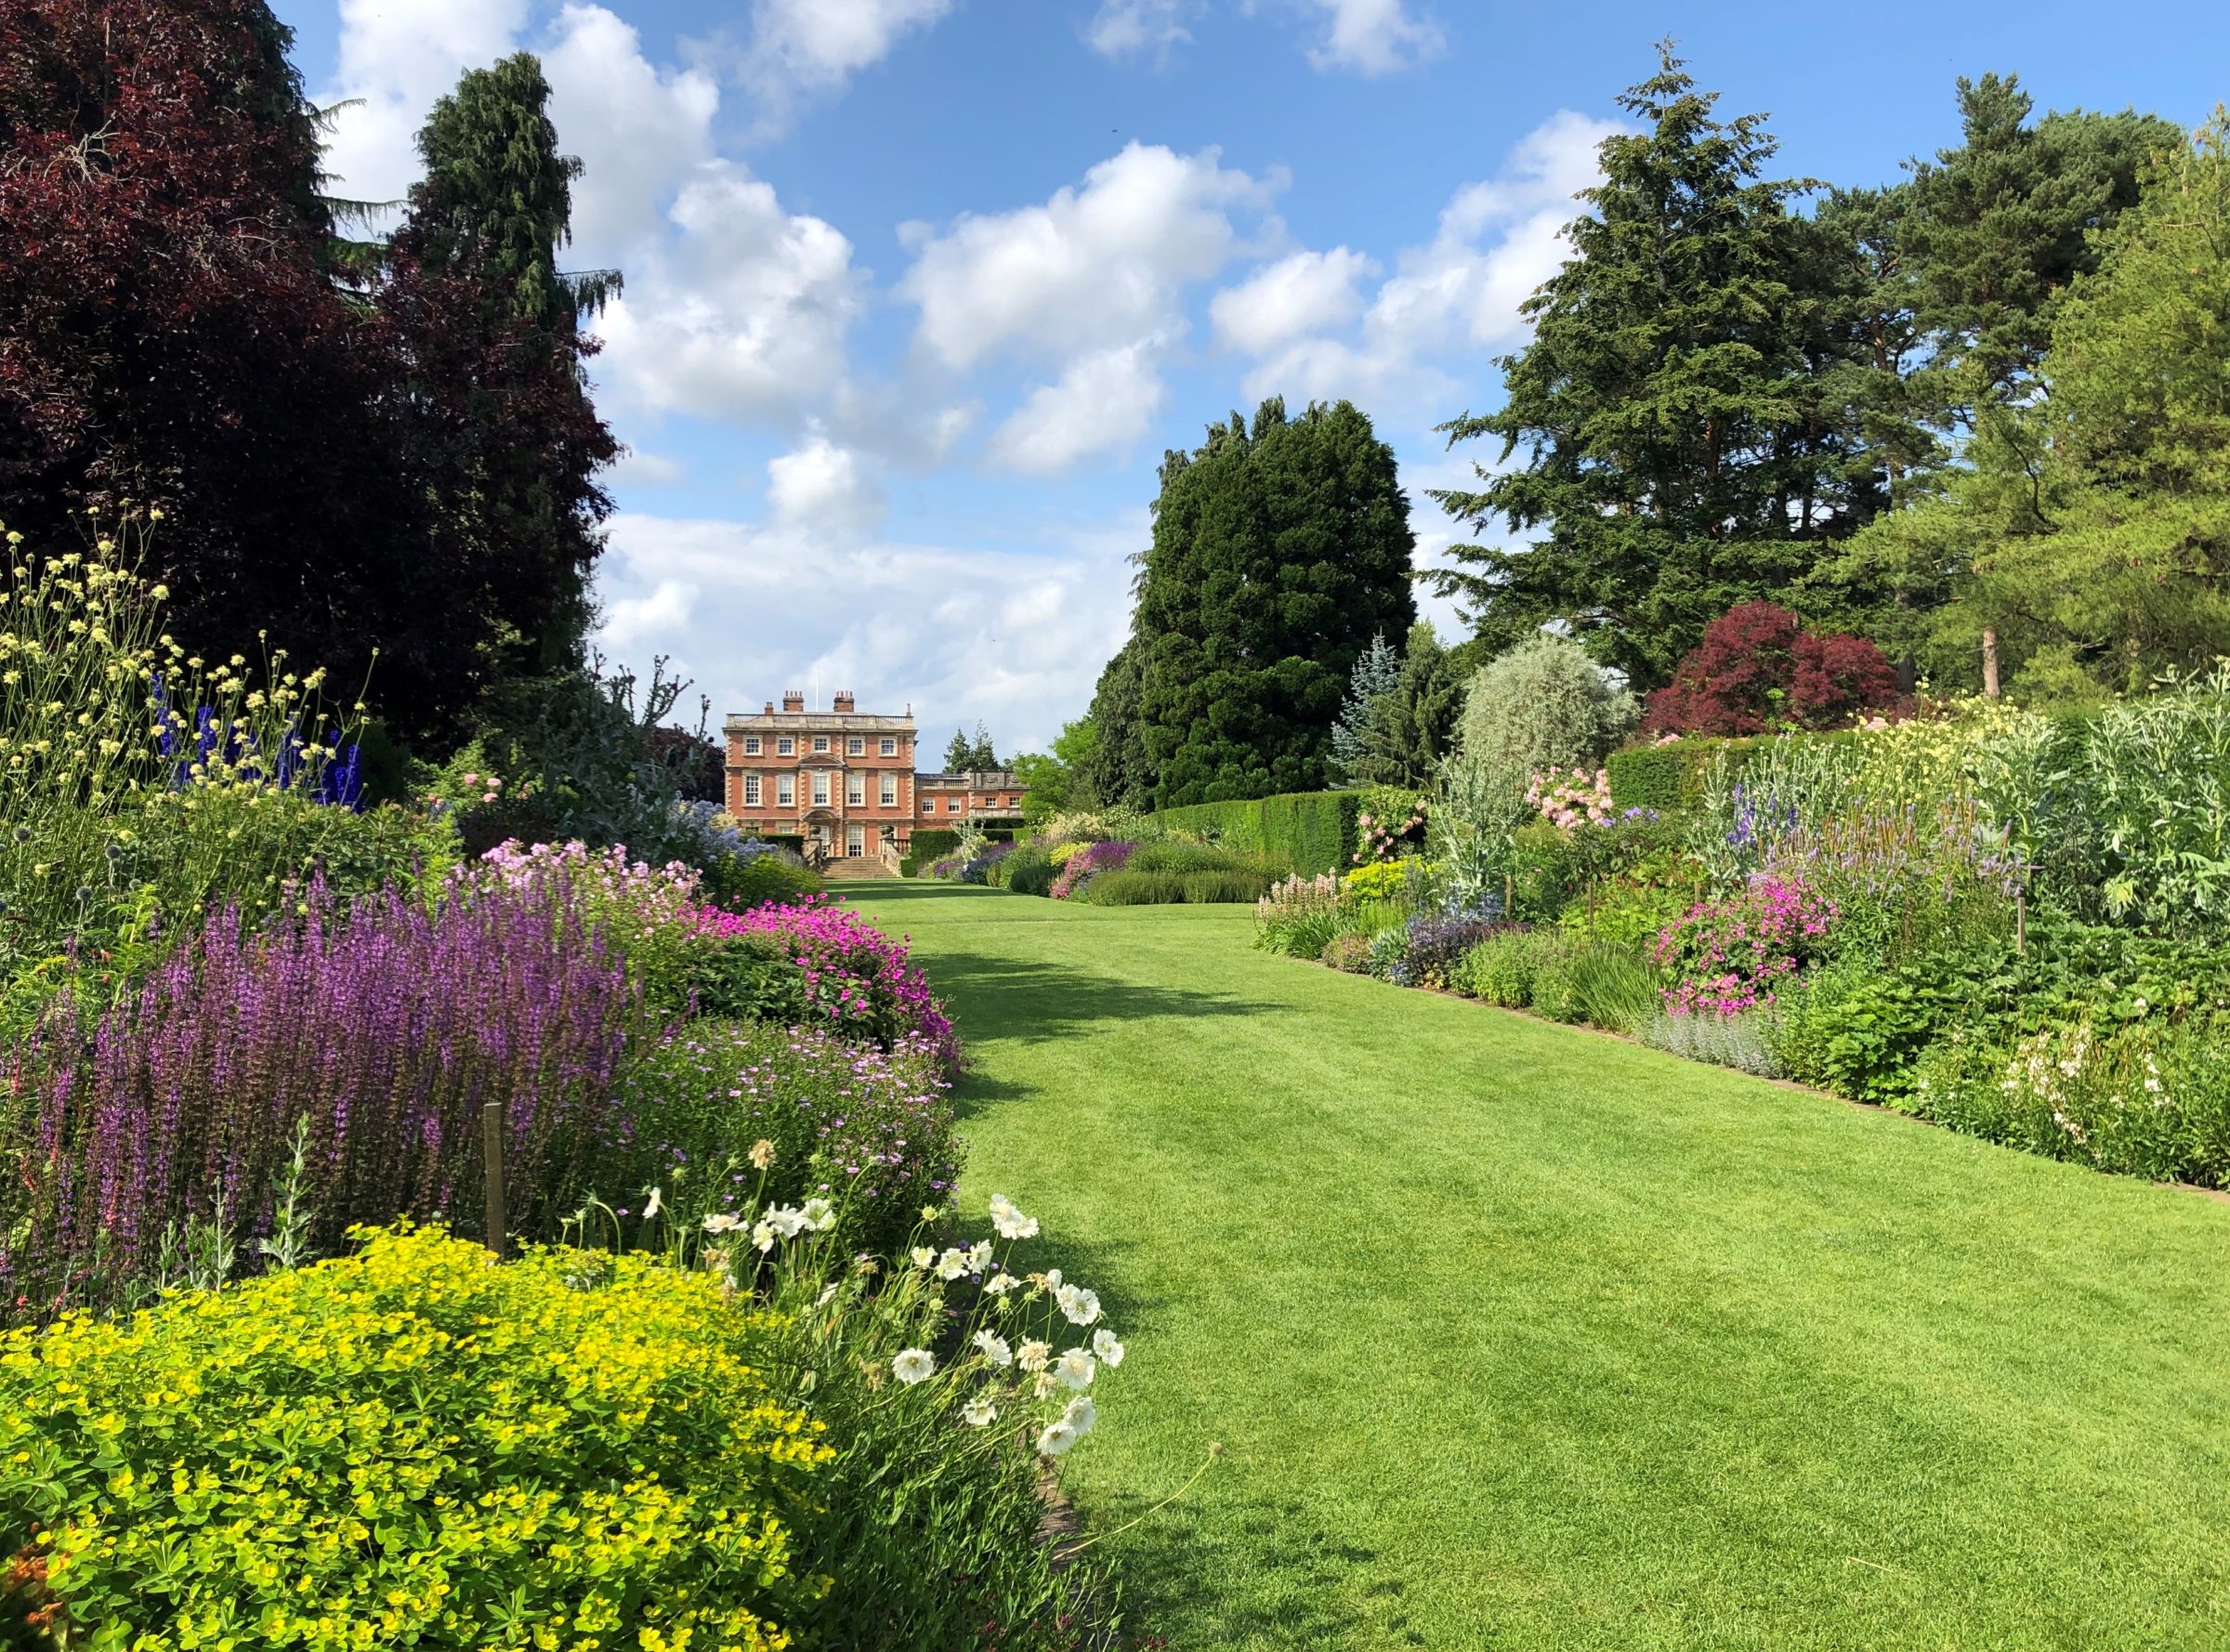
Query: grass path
x=1518 y=1337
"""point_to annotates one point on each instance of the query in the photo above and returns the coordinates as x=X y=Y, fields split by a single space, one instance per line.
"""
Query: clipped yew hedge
x=1305 y=831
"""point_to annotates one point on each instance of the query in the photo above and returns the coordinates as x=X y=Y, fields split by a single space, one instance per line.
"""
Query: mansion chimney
x=844 y=701
x=793 y=700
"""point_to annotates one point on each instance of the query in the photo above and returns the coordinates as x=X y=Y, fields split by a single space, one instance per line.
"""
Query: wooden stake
x=492 y=1159
x=2021 y=920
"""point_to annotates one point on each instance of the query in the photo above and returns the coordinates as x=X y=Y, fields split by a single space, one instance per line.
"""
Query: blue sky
x=919 y=290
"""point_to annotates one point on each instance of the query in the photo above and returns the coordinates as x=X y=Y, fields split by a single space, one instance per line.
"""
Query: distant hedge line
x=1308 y=832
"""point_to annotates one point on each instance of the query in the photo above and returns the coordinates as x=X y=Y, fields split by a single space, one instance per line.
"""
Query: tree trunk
x=1989 y=662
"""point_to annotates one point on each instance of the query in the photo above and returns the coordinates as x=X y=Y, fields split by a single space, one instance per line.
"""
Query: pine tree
x=1279 y=549
x=1413 y=723
x=1689 y=444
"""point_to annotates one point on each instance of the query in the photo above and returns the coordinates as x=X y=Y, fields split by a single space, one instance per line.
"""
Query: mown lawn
x=1518 y=1336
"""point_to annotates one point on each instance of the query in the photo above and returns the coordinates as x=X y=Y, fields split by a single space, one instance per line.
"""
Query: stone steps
x=857 y=866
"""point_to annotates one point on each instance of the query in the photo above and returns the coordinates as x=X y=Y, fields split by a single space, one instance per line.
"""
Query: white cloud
x=1375 y=36
x=961 y=633
x=397 y=57
x=1105 y=400
x=662 y=611
x=1301 y=293
x=639 y=129
x=1125 y=28
x=1461 y=291
x=822 y=41
x=743 y=315
x=1092 y=269
x=635 y=468
x=823 y=488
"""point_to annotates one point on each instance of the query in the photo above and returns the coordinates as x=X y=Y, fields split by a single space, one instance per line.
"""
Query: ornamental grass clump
x=412 y=1446
x=381 y=1027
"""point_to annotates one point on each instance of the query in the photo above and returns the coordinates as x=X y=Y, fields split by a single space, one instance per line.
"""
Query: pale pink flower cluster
x=1569 y=797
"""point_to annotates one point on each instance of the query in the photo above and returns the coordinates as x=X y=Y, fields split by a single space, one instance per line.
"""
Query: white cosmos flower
x=652 y=1205
x=922 y=1256
x=979 y=1411
x=821 y=1213
x=1107 y=1347
x=1011 y=1222
x=787 y=1220
x=1056 y=1440
x=1033 y=1356
x=762 y=1234
x=979 y=1257
x=1081 y=1415
x=1074 y=1369
x=999 y=1284
x=722 y=1222
x=953 y=1264
x=1003 y=1208
x=913 y=1365
x=1053 y=1278
x=1081 y=1306
x=1044 y=1387
x=994 y=1347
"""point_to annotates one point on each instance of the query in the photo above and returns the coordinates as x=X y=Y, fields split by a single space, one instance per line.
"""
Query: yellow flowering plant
x=412 y=1446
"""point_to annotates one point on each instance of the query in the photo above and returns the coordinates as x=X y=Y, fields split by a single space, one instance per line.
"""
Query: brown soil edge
x=2219 y=1195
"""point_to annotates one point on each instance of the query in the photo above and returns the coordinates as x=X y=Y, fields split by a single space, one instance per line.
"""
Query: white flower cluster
x=1048 y=1372
x=781 y=1222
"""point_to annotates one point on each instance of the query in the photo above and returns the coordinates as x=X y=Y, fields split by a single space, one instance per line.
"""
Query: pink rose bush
x=1572 y=797
x=1728 y=956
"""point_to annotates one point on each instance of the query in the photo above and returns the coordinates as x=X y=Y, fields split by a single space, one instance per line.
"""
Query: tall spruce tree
x=1411 y=723
x=1690 y=442
x=1279 y=549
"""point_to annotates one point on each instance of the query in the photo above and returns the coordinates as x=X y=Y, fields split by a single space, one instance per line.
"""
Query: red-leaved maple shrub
x=1758 y=668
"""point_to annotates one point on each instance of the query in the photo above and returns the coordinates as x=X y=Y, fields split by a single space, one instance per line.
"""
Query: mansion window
x=855 y=746
x=751 y=745
x=951 y=805
x=855 y=840
x=890 y=790
x=785 y=746
x=820 y=788
x=751 y=789
x=928 y=805
x=785 y=792
x=890 y=745
x=855 y=791
x=820 y=742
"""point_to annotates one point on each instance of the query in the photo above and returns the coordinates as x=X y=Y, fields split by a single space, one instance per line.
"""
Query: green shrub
x=1126 y=887
x=1181 y=857
x=1229 y=886
x=739 y=883
x=1349 y=952
x=747 y=977
x=1556 y=982
x=1615 y=986
x=1029 y=871
x=1305 y=831
x=423 y=1449
x=1390 y=950
x=1859 y=1029
x=1501 y=969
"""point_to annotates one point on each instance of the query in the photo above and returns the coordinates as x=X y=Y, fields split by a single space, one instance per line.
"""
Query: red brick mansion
x=845 y=781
